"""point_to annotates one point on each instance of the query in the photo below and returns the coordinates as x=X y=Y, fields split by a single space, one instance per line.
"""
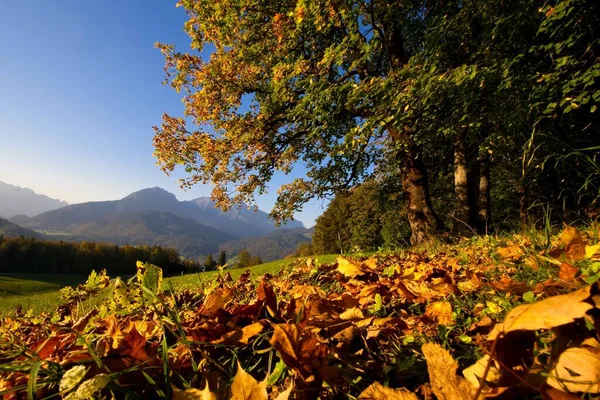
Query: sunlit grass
x=40 y=292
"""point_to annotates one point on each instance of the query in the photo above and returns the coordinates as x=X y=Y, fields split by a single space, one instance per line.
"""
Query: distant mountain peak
x=16 y=200
x=153 y=192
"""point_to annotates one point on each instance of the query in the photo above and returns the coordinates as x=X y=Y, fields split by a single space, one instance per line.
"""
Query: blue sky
x=81 y=88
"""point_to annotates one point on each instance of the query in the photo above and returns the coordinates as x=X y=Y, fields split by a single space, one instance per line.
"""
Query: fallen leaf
x=577 y=370
x=299 y=349
x=442 y=368
x=193 y=394
x=567 y=271
x=285 y=395
x=352 y=313
x=513 y=252
x=245 y=387
x=379 y=392
x=546 y=314
x=440 y=312
x=592 y=252
x=242 y=335
x=475 y=372
x=88 y=388
x=570 y=236
x=348 y=268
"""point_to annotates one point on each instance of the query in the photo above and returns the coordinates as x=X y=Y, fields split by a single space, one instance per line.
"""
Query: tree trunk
x=461 y=187
x=424 y=222
x=522 y=205
x=485 y=207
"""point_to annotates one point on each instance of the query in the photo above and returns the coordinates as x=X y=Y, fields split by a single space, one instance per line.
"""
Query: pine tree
x=209 y=263
x=222 y=258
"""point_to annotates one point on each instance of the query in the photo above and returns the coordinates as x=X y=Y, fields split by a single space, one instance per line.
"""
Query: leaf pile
x=431 y=324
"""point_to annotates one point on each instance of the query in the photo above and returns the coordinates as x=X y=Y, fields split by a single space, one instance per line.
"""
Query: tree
x=321 y=83
x=222 y=258
x=209 y=263
x=244 y=259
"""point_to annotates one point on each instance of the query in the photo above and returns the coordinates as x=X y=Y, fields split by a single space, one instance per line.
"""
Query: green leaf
x=529 y=296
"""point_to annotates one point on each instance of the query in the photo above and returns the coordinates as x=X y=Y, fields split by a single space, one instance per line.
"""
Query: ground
x=515 y=316
x=40 y=292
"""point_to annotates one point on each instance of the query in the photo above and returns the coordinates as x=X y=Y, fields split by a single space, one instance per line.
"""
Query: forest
x=470 y=117
x=29 y=255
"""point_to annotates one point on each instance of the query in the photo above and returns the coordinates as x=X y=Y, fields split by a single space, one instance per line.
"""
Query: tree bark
x=522 y=205
x=461 y=186
x=424 y=222
x=485 y=207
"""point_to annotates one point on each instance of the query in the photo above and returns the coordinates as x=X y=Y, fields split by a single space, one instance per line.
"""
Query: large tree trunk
x=424 y=222
x=485 y=207
x=461 y=186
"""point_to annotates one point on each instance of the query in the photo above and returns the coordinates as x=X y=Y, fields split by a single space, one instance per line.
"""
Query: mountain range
x=155 y=217
x=15 y=200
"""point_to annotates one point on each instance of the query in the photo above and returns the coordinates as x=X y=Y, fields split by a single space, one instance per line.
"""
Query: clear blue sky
x=81 y=88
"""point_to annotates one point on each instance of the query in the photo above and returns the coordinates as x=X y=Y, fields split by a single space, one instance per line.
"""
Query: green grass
x=39 y=292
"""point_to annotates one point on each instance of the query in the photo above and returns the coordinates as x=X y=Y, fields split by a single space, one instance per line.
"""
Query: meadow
x=40 y=292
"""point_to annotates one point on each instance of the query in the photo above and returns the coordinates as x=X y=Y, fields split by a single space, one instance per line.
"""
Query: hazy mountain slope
x=8 y=229
x=15 y=200
x=274 y=246
x=189 y=237
x=239 y=222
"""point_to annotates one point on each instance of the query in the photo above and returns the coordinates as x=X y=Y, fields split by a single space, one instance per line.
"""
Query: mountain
x=188 y=236
x=274 y=246
x=237 y=221
x=8 y=229
x=15 y=200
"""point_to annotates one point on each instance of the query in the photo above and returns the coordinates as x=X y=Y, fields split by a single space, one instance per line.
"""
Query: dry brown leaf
x=348 y=268
x=215 y=301
x=546 y=314
x=440 y=312
x=513 y=252
x=245 y=387
x=193 y=394
x=567 y=271
x=379 y=392
x=446 y=385
x=242 y=335
x=352 y=313
x=570 y=236
x=577 y=370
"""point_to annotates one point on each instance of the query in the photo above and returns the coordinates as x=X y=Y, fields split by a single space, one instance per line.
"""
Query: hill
x=15 y=200
x=237 y=222
x=8 y=229
x=274 y=246
x=191 y=238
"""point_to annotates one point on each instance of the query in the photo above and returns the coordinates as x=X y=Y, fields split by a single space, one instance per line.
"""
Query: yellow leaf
x=546 y=314
x=245 y=387
x=592 y=251
x=445 y=384
x=193 y=394
x=577 y=370
x=348 y=268
x=440 y=312
x=379 y=392
x=352 y=313
x=570 y=236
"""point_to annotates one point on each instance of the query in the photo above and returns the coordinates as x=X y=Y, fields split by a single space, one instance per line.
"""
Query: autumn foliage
x=497 y=317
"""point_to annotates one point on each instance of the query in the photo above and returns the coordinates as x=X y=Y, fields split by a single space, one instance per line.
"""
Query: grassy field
x=40 y=292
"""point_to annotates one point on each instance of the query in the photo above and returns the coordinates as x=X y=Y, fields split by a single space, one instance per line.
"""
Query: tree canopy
x=348 y=87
